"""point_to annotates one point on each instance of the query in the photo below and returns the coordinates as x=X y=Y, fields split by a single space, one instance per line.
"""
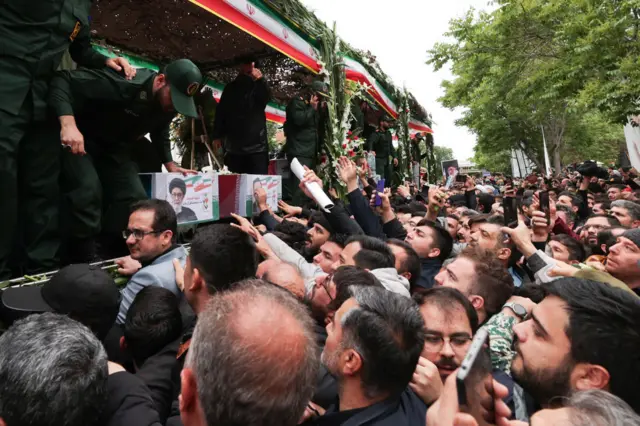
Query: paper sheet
x=316 y=191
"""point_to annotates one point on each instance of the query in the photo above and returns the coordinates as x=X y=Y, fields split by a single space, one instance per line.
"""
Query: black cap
x=386 y=117
x=77 y=290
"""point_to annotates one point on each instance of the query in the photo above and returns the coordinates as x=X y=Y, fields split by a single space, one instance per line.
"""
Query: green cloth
x=34 y=37
x=384 y=168
x=29 y=243
x=112 y=113
x=603 y=277
x=302 y=129
x=98 y=190
x=110 y=108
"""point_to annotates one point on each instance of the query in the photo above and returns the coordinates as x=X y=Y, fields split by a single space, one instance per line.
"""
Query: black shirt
x=406 y=410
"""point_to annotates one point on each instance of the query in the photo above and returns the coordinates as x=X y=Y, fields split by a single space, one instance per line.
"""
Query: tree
x=442 y=153
x=495 y=162
x=533 y=65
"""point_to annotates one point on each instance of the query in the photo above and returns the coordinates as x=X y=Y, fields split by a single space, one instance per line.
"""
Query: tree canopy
x=568 y=68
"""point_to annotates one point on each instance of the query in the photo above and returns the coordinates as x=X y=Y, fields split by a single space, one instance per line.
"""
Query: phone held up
x=379 y=189
x=510 y=206
x=474 y=378
x=544 y=205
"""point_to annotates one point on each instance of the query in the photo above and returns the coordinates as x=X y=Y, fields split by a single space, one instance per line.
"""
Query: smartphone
x=474 y=378
x=379 y=189
x=510 y=206
x=544 y=205
x=461 y=178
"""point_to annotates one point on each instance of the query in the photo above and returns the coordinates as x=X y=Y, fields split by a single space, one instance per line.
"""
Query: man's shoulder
x=162 y=268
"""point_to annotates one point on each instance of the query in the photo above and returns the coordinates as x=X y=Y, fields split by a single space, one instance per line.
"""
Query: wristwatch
x=517 y=309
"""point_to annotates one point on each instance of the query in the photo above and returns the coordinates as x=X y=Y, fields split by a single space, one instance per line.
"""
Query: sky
x=399 y=33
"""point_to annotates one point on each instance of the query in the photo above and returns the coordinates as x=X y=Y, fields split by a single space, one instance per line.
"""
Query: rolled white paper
x=316 y=191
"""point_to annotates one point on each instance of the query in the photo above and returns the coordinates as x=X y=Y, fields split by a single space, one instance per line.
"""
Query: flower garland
x=404 y=140
x=338 y=141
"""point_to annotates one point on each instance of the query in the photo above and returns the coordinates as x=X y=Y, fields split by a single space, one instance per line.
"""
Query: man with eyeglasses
x=450 y=323
x=151 y=239
x=593 y=225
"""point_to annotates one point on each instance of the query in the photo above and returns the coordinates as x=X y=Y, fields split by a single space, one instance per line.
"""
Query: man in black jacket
x=241 y=122
x=373 y=346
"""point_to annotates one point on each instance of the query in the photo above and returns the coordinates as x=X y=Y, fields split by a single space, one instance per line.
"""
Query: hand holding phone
x=474 y=377
x=461 y=178
x=379 y=189
x=510 y=207
x=544 y=205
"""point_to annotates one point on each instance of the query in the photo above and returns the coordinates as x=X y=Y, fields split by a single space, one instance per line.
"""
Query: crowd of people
x=361 y=315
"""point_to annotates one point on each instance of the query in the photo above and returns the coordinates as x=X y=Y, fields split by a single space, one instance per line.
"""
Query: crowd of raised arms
x=361 y=315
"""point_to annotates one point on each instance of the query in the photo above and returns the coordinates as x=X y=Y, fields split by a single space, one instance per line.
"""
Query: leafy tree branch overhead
x=534 y=65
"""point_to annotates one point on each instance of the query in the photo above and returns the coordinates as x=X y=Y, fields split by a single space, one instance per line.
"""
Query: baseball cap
x=185 y=80
x=80 y=291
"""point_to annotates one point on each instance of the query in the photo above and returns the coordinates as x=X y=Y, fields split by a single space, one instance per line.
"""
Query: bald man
x=283 y=275
x=252 y=360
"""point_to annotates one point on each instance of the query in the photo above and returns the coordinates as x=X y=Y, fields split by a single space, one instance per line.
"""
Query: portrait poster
x=194 y=198
x=249 y=183
x=450 y=170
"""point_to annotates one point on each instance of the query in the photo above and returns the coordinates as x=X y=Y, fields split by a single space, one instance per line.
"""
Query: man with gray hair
x=590 y=407
x=53 y=371
x=627 y=212
x=373 y=345
x=252 y=360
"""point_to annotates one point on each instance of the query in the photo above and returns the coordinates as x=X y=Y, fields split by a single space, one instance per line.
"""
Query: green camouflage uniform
x=500 y=328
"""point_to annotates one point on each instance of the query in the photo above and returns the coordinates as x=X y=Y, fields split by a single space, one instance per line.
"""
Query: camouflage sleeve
x=500 y=328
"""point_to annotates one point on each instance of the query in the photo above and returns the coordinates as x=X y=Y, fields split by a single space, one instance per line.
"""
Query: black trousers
x=251 y=164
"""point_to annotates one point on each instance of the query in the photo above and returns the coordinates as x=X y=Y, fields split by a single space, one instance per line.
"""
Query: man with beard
x=101 y=114
x=319 y=232
x=486 y=233
x=331 y=291
x=373 y=346
x=593 y=225
x=177 y=191
x=326 y=297
x=582 y=336
x=482 y=277
x=450 y=322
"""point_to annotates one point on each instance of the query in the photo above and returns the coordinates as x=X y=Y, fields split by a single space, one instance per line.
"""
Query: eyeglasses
x=137 y=234
x=434 y=343
x=325 y=285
